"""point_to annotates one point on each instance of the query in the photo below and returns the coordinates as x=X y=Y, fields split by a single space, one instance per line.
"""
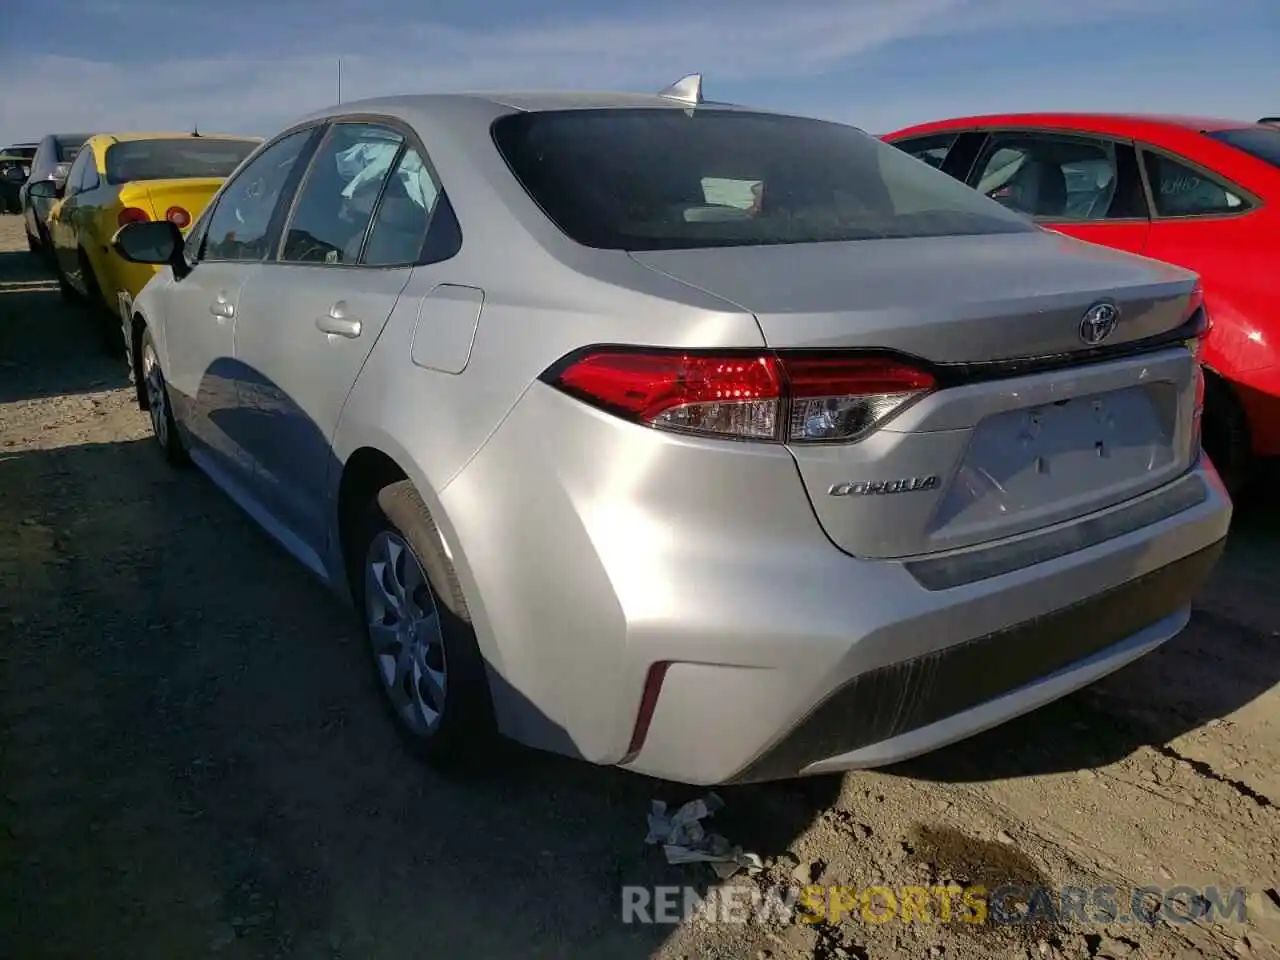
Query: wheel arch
x=367 y=470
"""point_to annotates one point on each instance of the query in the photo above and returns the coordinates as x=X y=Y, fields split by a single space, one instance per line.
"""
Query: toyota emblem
x=1098 y=322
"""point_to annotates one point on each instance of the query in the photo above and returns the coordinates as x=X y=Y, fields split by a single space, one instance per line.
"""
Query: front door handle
x=338 y=323
x=222 y=308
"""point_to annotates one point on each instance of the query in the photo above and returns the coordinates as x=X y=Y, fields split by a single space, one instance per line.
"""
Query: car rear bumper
x=917 y=705
x=672 y=606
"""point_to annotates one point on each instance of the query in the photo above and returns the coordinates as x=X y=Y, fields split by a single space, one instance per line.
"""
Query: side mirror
x=158 y=242
x=45 y=189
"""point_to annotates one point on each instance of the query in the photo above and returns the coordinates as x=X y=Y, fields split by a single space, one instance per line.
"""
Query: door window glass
x=75 y=176
x=1179 y=191
x=1061 y=178
x=932 y=150
x=239 y=226
x=404 y=214
x=336 y=201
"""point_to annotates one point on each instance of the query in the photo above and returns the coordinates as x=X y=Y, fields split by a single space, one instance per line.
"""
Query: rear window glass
x=653 y=179
x=1262 y=142
x=25 y=153
x=168 y=159
x=69 y=146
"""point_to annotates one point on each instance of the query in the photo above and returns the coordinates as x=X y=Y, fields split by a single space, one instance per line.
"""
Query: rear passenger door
x=1201 y=219
x=310 y=317
x=1081 y=185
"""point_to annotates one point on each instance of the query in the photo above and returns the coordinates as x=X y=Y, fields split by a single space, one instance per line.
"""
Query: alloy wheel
x=157 y=396
x=405 y=632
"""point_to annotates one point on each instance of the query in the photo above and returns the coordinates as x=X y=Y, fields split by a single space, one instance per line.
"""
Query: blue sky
x=252 y=65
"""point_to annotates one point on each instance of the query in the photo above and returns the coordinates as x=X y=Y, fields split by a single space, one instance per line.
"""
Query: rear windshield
x=654 y=179
x=69 y=146
x=169 y=159
x=1262 y=142
x=25 y=153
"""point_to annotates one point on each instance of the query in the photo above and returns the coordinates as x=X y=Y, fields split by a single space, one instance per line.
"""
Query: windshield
x=24 y=153
x=175 y=159
x=653 y=179
x=1261 y=142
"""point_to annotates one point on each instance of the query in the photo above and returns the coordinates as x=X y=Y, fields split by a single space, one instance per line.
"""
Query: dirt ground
x=193 y=763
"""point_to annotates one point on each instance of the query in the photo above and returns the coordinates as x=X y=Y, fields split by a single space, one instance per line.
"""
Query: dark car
x=15 y=167
x=52 y=160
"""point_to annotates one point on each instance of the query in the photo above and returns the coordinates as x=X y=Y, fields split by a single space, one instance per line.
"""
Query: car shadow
x=194 y=758
x=1228 y=656
x=48 y=346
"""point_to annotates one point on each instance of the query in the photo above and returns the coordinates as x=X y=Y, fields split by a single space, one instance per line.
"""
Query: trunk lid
x=991 y=453
x=157 y=196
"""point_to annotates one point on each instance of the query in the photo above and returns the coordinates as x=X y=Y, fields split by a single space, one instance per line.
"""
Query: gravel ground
x=192 y=761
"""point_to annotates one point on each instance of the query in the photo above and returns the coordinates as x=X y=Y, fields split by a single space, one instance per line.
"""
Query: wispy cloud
x=739 y=46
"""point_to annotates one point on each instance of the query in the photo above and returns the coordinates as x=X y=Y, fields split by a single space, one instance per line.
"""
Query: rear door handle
x=338 y=323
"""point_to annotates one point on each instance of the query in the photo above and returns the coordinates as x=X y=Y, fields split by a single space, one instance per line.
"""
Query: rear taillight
x=132 y=215
x=1196 y=345
x=178 y=217
x=765 y=396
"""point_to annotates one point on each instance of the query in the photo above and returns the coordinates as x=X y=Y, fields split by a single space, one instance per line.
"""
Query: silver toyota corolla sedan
x=714 y=443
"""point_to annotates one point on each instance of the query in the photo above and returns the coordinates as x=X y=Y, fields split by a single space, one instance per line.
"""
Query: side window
x=1179 y=191
x=932 y=150
x=404 y=214
x=1058 y=177
x=89 y=179
x=239 y=226
x=75 y=175
x=40 y=166
x=335 y=203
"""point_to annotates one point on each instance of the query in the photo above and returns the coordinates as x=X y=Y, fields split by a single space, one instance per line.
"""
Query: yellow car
x=119 y=178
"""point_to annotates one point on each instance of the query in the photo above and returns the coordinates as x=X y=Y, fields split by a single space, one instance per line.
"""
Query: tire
x=105 y=318
x=46 y=246
x=163 y=425
x=462 y=735
x=69 y=293
x=1225 y=430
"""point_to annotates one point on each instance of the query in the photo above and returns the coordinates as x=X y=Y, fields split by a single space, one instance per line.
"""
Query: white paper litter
x=685 y=840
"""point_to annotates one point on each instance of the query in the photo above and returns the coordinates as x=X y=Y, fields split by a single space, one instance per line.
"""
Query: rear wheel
x=426 y=662
x=45 y=245
x=64 y=283
x=163 y=425
x=1226 y=434
x=105 y=319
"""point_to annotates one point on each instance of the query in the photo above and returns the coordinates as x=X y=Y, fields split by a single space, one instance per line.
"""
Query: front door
x=1082 y=186
x=204 y=307
x=63 y=222
x=308 y=320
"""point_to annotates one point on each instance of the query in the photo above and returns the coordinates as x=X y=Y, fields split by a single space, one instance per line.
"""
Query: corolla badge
x=875 y=488
x=1098 y=322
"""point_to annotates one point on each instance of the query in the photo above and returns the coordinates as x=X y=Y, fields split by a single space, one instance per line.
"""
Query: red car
x=1203 y=194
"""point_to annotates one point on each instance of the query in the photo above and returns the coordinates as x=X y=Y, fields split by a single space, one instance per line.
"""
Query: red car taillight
x=132 y=215
x=178 y=217
x=748 y=396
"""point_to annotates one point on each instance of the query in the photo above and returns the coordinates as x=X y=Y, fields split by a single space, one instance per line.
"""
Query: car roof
x=125 y=137
x=1186 y=122
x=524 y=101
